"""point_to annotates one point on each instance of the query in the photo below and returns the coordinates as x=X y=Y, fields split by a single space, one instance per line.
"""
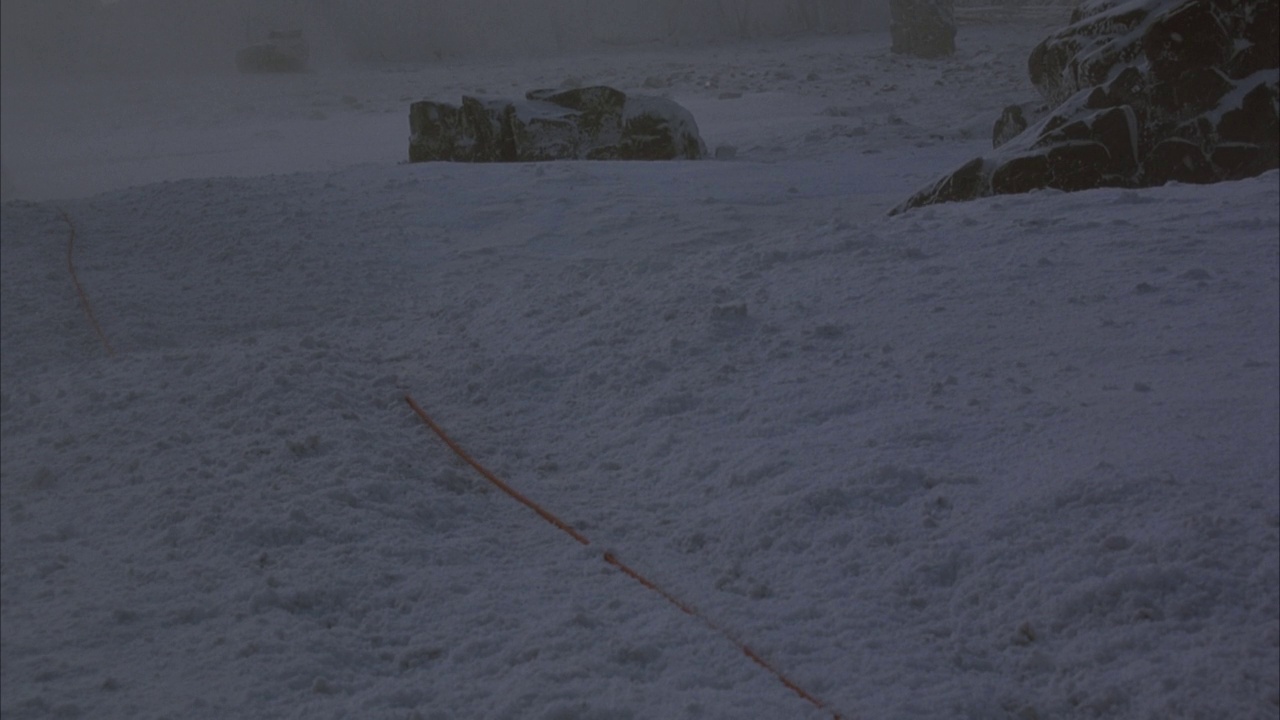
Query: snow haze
x=1015 y=458
x=45 y=37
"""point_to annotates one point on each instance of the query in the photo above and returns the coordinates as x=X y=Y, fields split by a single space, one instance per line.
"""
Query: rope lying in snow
x=613 y=560
x=494 y=478
x=84 y=297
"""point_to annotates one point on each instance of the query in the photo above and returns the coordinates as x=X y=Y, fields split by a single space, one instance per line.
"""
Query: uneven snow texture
x=1015 y=458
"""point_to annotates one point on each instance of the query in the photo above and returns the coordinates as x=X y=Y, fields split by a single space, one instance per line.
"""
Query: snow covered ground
x=1015 y=458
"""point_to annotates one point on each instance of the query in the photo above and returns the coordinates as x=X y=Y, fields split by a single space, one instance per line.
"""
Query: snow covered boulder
x=924 y=28
x=1143 y=92
x=655 y=128
x=475 y=131
x=591 y=123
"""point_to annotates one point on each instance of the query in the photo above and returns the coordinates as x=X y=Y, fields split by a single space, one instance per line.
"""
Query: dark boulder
x=1144 y=92
x=1178 y=160
x=592 y=123
x=1013 y=120
x=1187 y=36
x=1259 y=42
x=923 y=28
x=1253 y=117
x=970 y=181
x=1238 y=160
x=1114 y=129
x=1016 y=175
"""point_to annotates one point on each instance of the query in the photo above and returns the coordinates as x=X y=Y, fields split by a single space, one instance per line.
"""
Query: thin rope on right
x=84 y=297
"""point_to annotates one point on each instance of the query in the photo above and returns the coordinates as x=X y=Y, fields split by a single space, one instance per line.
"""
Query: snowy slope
x=1013 y=458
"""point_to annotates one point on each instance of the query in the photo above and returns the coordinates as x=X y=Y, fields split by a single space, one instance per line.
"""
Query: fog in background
x=55 y=37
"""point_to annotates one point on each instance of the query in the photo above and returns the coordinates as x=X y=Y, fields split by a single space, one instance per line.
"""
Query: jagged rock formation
x=591 y=123
x=1146 y=92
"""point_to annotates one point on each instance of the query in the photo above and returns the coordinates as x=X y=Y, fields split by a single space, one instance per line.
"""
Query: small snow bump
x=124 y=617
x=729 y=311
x=1025 y=634
x=1116 y=543
x=305 y=448
x=828 y=332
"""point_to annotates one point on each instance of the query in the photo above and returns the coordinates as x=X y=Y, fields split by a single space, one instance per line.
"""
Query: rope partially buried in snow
x=84 y=297
x=613 y=560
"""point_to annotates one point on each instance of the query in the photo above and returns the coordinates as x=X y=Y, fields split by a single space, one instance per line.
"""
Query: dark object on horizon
x=924 y=28
x=1143 y=93
x=590 y=123
x=285 y=51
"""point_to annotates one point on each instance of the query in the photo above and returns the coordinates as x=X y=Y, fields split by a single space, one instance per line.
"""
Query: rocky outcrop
x=1144 y=92
x=591 y=123
x=924 y=28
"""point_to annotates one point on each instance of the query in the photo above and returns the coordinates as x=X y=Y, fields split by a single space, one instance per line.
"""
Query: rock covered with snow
x=924 y=28
x=589 y=123
x=1144 y=92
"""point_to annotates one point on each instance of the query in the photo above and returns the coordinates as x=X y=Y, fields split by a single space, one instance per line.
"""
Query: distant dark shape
x=285 y=51
x=591 y=123
x=1144 y=92
x=923 y=28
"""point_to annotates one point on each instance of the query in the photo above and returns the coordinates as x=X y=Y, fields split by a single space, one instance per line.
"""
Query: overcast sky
x=58 y=36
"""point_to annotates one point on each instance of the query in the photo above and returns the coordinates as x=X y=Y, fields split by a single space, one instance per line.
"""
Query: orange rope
x=84 y=297
x=456 y=448
x=746 y=649
x=613 y=560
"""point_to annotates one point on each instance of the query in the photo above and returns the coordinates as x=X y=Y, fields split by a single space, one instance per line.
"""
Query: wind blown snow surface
x=1015 y=458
